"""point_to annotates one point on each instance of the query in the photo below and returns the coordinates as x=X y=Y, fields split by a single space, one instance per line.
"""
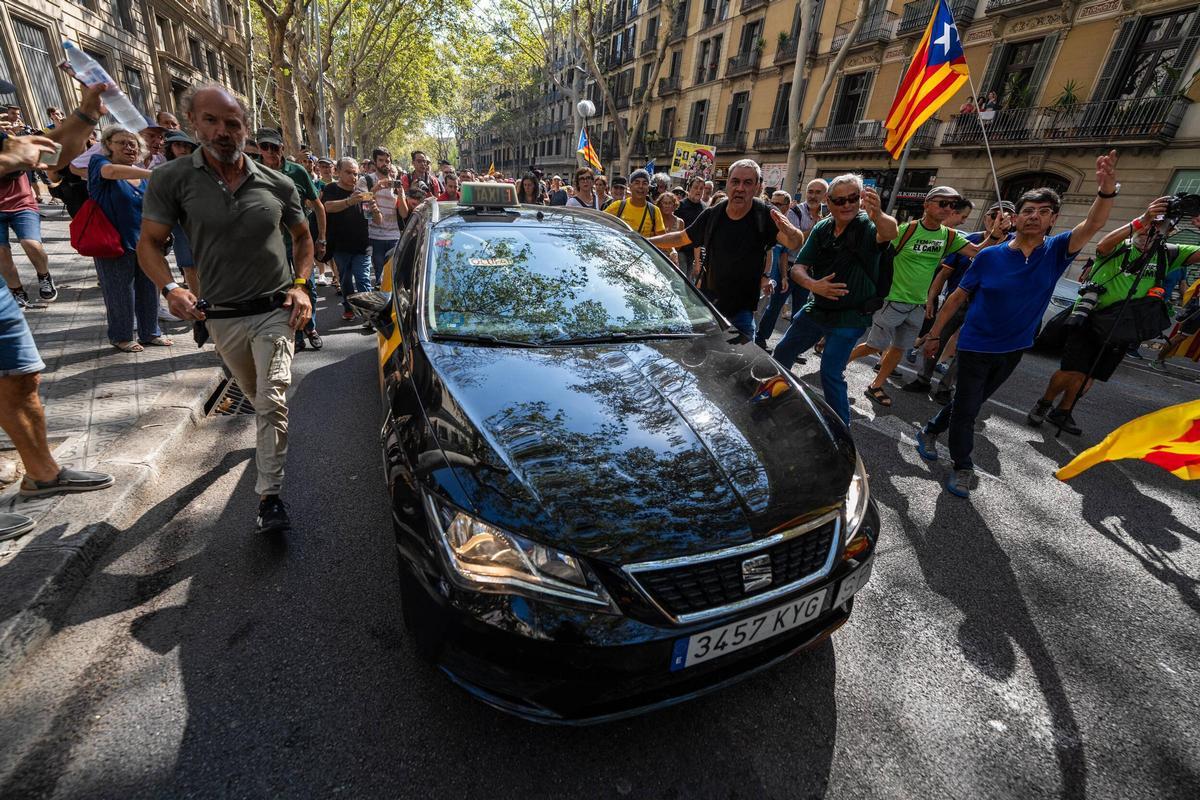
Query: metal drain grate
x=227 y=401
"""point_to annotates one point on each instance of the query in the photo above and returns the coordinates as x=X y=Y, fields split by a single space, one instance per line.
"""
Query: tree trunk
x=285 y=86
x=798 y=132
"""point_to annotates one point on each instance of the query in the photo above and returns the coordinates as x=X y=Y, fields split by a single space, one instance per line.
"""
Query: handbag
x=93 y=235
x=1132 y=321
x=1054 y=335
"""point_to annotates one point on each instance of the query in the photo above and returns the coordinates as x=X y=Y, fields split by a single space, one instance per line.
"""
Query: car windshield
x=540 y=283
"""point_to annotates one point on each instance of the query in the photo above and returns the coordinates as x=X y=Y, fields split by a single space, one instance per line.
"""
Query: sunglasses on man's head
x=842 y=201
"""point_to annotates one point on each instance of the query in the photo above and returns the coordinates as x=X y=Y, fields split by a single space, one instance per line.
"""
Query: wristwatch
x=1116 y=191
x=170 y=287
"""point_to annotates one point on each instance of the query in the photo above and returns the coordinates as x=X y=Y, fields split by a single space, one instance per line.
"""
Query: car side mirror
x=377 y=308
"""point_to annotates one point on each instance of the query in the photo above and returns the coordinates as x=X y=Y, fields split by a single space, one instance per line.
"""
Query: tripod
x=1156 y=253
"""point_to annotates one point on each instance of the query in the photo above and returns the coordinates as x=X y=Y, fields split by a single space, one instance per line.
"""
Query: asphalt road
x=1040 y=640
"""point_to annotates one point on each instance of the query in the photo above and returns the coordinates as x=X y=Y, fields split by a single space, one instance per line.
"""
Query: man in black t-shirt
x=346 y=229
x=737 y=233
x=690 y=208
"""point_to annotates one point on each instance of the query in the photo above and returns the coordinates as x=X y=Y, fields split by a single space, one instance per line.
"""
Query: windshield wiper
x=480 y=338
x=609 y=338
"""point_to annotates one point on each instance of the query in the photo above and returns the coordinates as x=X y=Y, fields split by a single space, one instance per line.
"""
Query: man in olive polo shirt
x=231 y=209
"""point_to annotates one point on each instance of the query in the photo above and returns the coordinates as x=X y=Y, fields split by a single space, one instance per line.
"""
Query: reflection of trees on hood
x=634 y=488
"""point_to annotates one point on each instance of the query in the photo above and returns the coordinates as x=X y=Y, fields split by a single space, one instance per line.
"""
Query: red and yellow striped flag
x=1168 y=438
x=938 y=69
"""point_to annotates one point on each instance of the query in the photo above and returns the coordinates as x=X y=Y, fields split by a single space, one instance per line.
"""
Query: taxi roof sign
x=488 y=195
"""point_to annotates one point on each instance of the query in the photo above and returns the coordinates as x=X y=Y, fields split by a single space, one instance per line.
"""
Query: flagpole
x=899 y=176
x=982 y=127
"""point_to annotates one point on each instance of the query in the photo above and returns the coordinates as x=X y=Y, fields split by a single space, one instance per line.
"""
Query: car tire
x=421 y=619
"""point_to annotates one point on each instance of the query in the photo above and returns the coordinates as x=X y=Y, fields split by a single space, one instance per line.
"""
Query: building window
x=214 y=70
x=735 y=122
x=708 y=59
x=33 y=45
x=852 y=95
x=162 y=34
x=1152 y=63
x=123 y=12
x=779 y=117
x=8 y=74
x=666 y=123
x=751 y=33
x=1012 y=188
x=1017 y=70
x=135 y=89
x=197 y=53
x=698 y=122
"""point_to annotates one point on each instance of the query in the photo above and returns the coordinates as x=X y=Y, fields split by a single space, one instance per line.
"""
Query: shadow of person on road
x=961 y=561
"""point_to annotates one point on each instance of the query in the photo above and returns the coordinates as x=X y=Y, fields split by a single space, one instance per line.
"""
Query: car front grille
x=688 y=590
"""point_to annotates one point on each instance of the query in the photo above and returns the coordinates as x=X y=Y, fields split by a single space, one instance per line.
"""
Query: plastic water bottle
x=91 y=72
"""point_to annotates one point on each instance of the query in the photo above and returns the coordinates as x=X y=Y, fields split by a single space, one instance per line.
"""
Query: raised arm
x=885 y=225
x=1097 y=217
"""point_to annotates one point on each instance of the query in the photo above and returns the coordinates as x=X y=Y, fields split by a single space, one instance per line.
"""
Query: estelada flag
x=938 y=69
x=588 y=152
x=1169 y=438
x=492 y=168
x=1189 y=346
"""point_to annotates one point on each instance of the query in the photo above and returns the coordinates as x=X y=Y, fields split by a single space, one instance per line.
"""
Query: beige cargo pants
x=258 y=351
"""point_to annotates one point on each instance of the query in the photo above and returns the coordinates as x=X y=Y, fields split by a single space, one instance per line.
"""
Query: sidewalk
x=104 y=409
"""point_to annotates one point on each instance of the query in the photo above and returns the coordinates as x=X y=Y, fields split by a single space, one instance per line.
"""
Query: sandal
x=878 y=395
x=160 y=341
x=128 y=347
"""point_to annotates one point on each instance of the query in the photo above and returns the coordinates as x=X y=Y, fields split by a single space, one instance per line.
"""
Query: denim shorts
x=18 y=353
x=26 y=224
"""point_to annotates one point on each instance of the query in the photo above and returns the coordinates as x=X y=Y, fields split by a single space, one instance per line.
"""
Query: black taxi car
x=605 y=500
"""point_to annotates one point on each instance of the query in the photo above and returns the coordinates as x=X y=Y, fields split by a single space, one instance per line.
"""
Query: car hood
x=634 y=451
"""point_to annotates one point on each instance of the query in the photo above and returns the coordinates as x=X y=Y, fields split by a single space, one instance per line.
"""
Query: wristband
x=89 y=120
x=1137 y=224
x=1109 y=195
x=300 y=282
x=170 y=287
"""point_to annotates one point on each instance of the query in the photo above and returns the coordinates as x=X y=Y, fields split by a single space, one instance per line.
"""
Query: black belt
x=258 y=305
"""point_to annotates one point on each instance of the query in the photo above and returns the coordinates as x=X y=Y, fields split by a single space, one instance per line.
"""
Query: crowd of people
x=254 y=232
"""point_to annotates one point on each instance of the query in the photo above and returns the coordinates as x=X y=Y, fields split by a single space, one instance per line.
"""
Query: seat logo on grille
x=756 y=573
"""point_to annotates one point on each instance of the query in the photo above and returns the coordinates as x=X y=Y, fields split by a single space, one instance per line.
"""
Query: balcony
x=1016 y=8
x=648 y=46
x=639 y=94
x=747 y=5
x=771 y=139
x=731 y=140
x=743 y=64
x=669 y=85
x=1146 y=120
x=786 y=52
x=876 y=28
x=917 y=13
x=867 y=137
x=709 y=139
x=678 y=32
x=622 y=102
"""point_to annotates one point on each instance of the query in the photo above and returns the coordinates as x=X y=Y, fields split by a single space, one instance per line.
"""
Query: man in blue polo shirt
x=1009 y=286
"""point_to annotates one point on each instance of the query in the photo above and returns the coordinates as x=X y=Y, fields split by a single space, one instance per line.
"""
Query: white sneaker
x=321 y=280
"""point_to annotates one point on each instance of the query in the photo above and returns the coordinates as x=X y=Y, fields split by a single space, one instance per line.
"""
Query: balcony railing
x=771 y=138
x=749 y=4
x=731 y=140
x=1012 y=8
x=678 y=32
x=786 y=52
x=669 y=85
x=917 y=13
x=638 y=94
x=709 y=139
x=649 y=45
x=1151 y=120
x=866 y=137
x=622 y=101
x=743 y=63
x=877 y=27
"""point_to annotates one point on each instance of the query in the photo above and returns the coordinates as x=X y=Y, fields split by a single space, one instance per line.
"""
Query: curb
x=40 y=582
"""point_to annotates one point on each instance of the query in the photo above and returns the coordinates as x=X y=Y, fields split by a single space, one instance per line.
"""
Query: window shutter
x=1184 y=57
x=1042 y=67
x=1118 y=56
x=992 y=71
x=868 y=80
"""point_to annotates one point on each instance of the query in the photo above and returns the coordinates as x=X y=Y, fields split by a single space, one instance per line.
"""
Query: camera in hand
x=1089 y=295
x=1181 y=206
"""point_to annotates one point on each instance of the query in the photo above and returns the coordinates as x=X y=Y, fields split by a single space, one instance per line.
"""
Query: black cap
x=179 y=136
x=444 y=163
x=268 y=135
x=618 y=181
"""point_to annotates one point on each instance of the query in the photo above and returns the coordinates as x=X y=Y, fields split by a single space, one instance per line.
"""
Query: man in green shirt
x=920 y=247
x=1085 y=350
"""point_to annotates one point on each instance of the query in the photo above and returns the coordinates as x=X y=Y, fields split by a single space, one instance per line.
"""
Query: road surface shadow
x=961 y=561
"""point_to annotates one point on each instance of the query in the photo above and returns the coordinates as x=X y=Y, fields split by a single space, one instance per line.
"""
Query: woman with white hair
x=117 y=186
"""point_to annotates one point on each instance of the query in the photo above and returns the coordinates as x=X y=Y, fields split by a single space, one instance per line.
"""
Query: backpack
x=651 y=209
x=93 y=235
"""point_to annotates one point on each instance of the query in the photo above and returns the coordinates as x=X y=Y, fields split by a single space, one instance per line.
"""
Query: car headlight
x=485 y=558
x=858 y=496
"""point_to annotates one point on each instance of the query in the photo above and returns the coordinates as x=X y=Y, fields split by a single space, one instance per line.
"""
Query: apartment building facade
x=1074 y=79
x=155 y=49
